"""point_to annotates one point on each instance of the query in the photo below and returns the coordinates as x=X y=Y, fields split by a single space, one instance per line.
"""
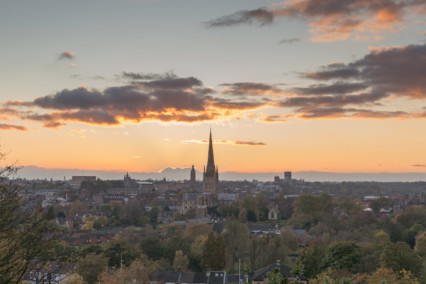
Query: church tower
x=211 y=173
x=192 y=182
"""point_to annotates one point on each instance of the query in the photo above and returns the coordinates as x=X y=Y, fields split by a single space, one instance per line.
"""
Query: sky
x=136 y=85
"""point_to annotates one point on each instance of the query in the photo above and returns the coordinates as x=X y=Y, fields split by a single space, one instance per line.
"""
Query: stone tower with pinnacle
x=211 y=172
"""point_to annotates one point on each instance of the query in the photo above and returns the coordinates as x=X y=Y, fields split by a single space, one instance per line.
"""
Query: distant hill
x=34 y=172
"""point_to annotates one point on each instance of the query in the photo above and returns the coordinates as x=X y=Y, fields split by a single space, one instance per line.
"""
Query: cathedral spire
x=210 y=160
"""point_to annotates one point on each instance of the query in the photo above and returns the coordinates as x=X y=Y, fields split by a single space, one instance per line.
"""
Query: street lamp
x=239 y=271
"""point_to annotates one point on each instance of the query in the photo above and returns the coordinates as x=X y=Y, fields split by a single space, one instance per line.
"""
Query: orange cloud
x=13 y=127
x=229 y=142
x=332 y=20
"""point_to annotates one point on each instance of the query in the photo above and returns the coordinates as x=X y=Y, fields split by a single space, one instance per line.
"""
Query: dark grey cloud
x=335 y=88
x=236 y=105
x=249 y=88
x=398 y=71
x=375 y=79
x=164 y=97
x=12 y=127
x=147 y=76
x=340 y=112
x=334 y=71
x=289 y=40
x=327 y=101
x=71 y=99
x=82 y=77
x=332 y=19
x=419 y=165
x=260 y=15
x=66 y=55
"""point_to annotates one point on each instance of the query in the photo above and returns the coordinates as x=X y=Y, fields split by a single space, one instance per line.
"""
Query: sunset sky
x=135 y=85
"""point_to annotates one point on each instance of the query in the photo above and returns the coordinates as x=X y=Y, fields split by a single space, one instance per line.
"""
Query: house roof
x=227 y=196
x=193 y=277
x=262 y=273
x=261 y=227
x=167 y=276
x=233 y=278
x=190 y=196
x=217 y=277
x=299 y=232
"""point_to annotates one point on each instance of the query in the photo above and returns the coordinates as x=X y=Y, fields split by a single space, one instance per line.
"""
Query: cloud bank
x=365 y=88
x=331 y=20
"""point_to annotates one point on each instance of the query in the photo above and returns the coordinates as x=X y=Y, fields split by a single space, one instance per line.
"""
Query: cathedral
x=200 y=201
x=211 y=174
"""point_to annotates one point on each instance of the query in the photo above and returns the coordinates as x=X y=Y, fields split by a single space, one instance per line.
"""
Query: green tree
x=214 y=253
x=220 y=253
x=236 y=236
x=22 y=231
x=412 y=215
x=50 y=215
x=180 y=262
x=153 y=214
x=420 y=247
x=207 y=261
x=174 y=244
x=153 y=248
x=77 y=208
x=399 y=256
x=91 y=266
x=309 y=261
x=120 y=253
x=289 y=239
x=275 y=277
x=313 y=205
x=342 y=255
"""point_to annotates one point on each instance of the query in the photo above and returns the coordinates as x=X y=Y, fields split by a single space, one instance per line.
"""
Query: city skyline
x=136 y=85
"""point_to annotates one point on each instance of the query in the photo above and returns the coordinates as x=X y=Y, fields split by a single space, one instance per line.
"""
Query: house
x=302 y=236
x=261 y=275
x=260 y=229
x=274 y=213
x=226 y=199
x=211 y=277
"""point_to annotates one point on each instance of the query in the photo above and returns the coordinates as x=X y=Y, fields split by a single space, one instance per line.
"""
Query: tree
x=420 y=247
x=153 y=214
x=220 y=252
x=386 y=275
x=174 y=244
x=22 y=230
x=242 y=215
x=152 y=247
x=289 y=239
x=91 y=266
x=180 y=262
x=214 y=253
x=251 y=216
x=399 y=256
x=50 y=213
x=236 y=236
x=120 y=253
x=275 y=277
x=342 y=255
x=412 y=215
x=313 y=205
x=77 y=208
x=309 y=261
x=139 y=272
